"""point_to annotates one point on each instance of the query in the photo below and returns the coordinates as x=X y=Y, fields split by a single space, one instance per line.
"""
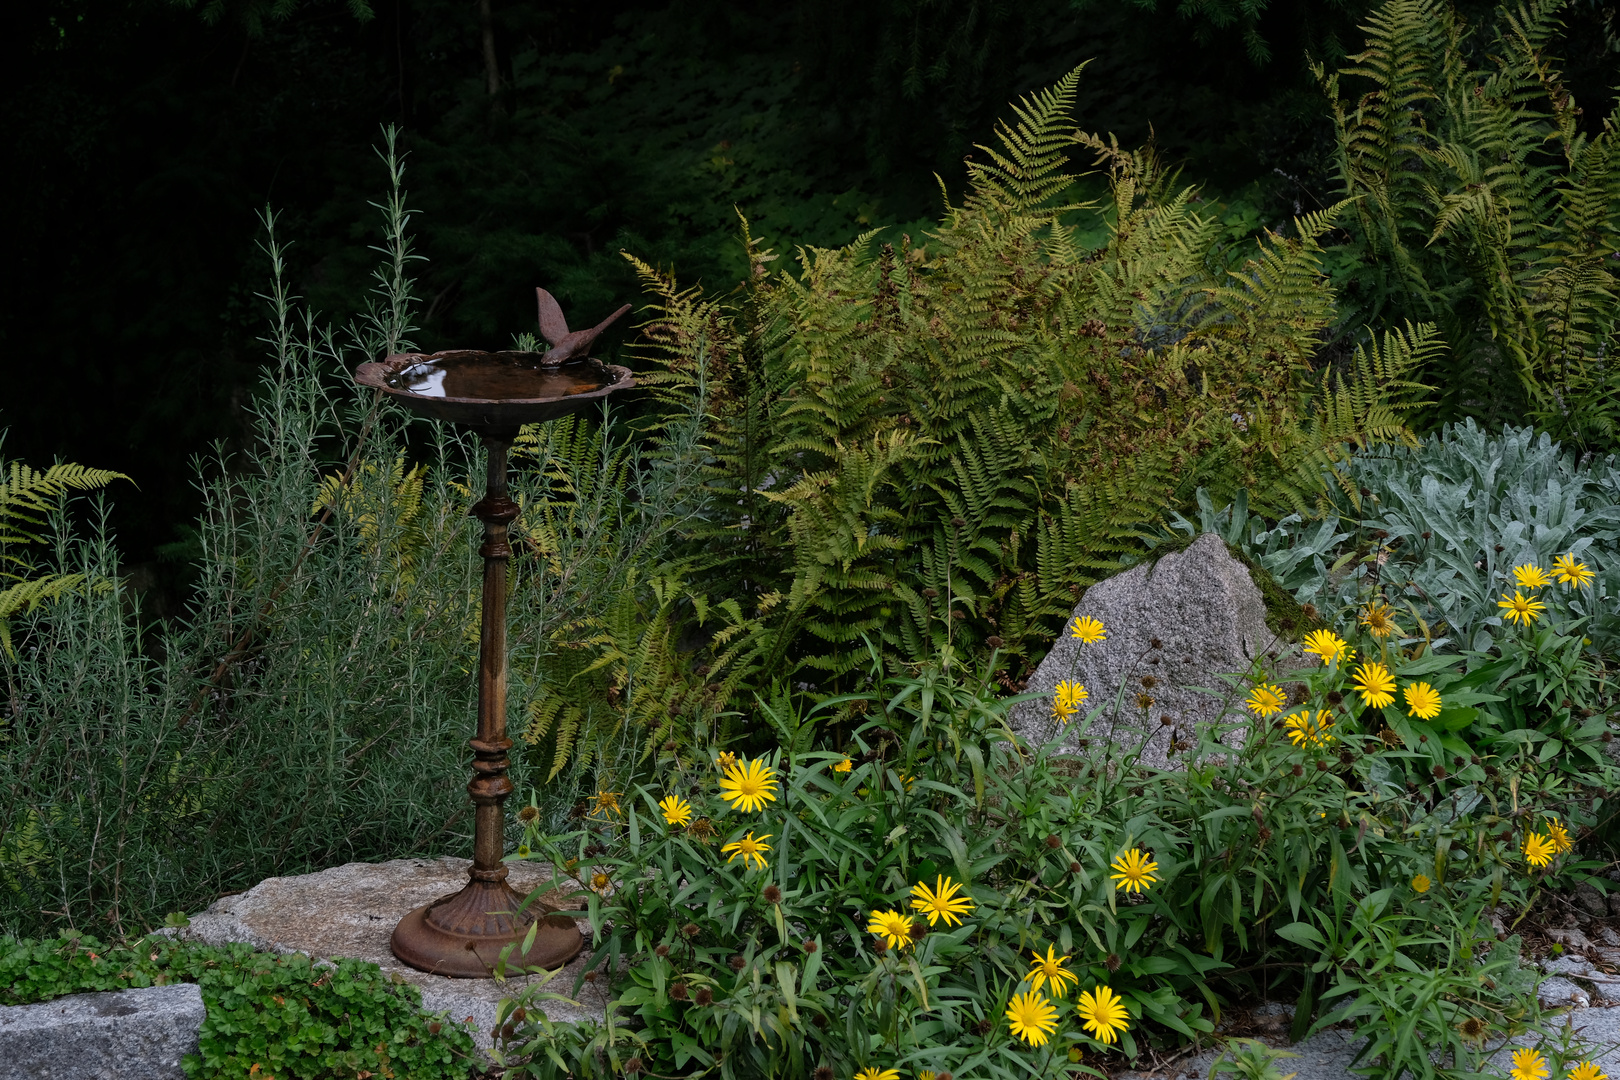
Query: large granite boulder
x=1206 y=614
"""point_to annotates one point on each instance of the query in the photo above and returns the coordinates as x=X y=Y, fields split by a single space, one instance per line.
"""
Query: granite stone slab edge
x=136 y=1034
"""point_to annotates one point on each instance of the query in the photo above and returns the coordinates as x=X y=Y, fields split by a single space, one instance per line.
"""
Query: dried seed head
x=984 y=1027
x=1074 y=868
x=520 y=1014
x=930 y=592
x=1473 y=759
x=1473 y=1027
x=1309 y=611
x=1165 y=721
x=434 y=1027
x=1149 y=682
x=1112 y=963
x=704 y=996
x=691 y=929
x=810 y=945
x=880 y=946
x=1439 y=772
x=917 y=931
x=772 y=894
x=1265 y=834
x=1347 y=757
x=823 y=1073
x=661 y=952
x=737 y=962
x=995 y=643
x=590 y=976
x=1499 y=549
x=1299 y=770
x=1155 y=643
x=679 y=992
x=1334 y=697
x=528 y=814
x=1607 y=736
x=1053 y=842
x=632 y=1066
x=945 y=1076
x=1321 y=766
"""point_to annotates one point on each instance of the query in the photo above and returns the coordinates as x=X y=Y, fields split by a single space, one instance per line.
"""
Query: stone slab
x=138 y=1034
x=351 y=911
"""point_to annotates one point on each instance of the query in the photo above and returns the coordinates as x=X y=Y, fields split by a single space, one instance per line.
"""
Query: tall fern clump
x=947 y=439
x=1482 y=205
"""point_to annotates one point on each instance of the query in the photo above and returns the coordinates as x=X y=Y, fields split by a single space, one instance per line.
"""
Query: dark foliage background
x=144 y=135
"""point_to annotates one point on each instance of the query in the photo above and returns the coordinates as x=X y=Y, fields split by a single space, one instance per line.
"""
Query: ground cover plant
x=267 y=1015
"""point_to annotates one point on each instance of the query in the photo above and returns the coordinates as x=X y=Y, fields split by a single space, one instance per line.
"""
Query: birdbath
x=493 y=394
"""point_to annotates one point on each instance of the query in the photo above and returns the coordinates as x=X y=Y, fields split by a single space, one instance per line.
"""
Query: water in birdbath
x=502 y=376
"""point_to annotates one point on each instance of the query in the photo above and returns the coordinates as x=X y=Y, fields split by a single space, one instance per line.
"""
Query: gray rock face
x=1210 y=619
x=122 y=1034
x=351 y=911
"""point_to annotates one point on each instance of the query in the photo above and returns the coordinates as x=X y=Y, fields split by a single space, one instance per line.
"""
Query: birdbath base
x=462 y=935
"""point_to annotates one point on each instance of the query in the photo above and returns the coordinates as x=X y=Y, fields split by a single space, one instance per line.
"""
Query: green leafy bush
x=1383 y=804
x=286 y=1017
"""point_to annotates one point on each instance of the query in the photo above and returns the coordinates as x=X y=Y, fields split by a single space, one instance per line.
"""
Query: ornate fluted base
x=459 y=936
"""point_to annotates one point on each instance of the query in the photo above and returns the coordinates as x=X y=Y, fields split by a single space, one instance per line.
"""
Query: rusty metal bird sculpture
x=568 y=344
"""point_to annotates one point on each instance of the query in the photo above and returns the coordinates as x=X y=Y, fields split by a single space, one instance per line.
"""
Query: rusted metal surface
x=462 y=935
x=568 y=344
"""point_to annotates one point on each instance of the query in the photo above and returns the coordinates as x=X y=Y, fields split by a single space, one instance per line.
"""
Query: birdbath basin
x=493 y=394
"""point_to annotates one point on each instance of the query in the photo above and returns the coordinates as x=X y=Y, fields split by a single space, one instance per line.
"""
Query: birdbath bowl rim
x=492 y=415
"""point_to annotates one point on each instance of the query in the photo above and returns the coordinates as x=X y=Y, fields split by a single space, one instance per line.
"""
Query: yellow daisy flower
x=1048 y=970
x=1559 y=837
x=1570 y=572
x=1328 y=645
x=1421 y=883
x=749 y=788
x=677 y=811
x=940 y=902
x=606 y=803
x=1087 y=629
x=1379 y=619
x=843 y=766
x=1530 y=576
x=1305 y=730
x=1520 y=608
x=1267 y=700
x=749 y=847
x=1538 y=849
x=1134 y=871
x=726 y=760
x=1376 y=684
x=875 y=1073
x=1422 y=701
x=892 y=927
x=1031 y=1017
x=1103 y=1014
x=1068 y=698
x=1587 y=1070
x=1529 y=1065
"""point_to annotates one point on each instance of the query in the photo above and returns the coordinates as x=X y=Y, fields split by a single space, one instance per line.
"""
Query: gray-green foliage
x=314 y=707
x=1459 y=512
